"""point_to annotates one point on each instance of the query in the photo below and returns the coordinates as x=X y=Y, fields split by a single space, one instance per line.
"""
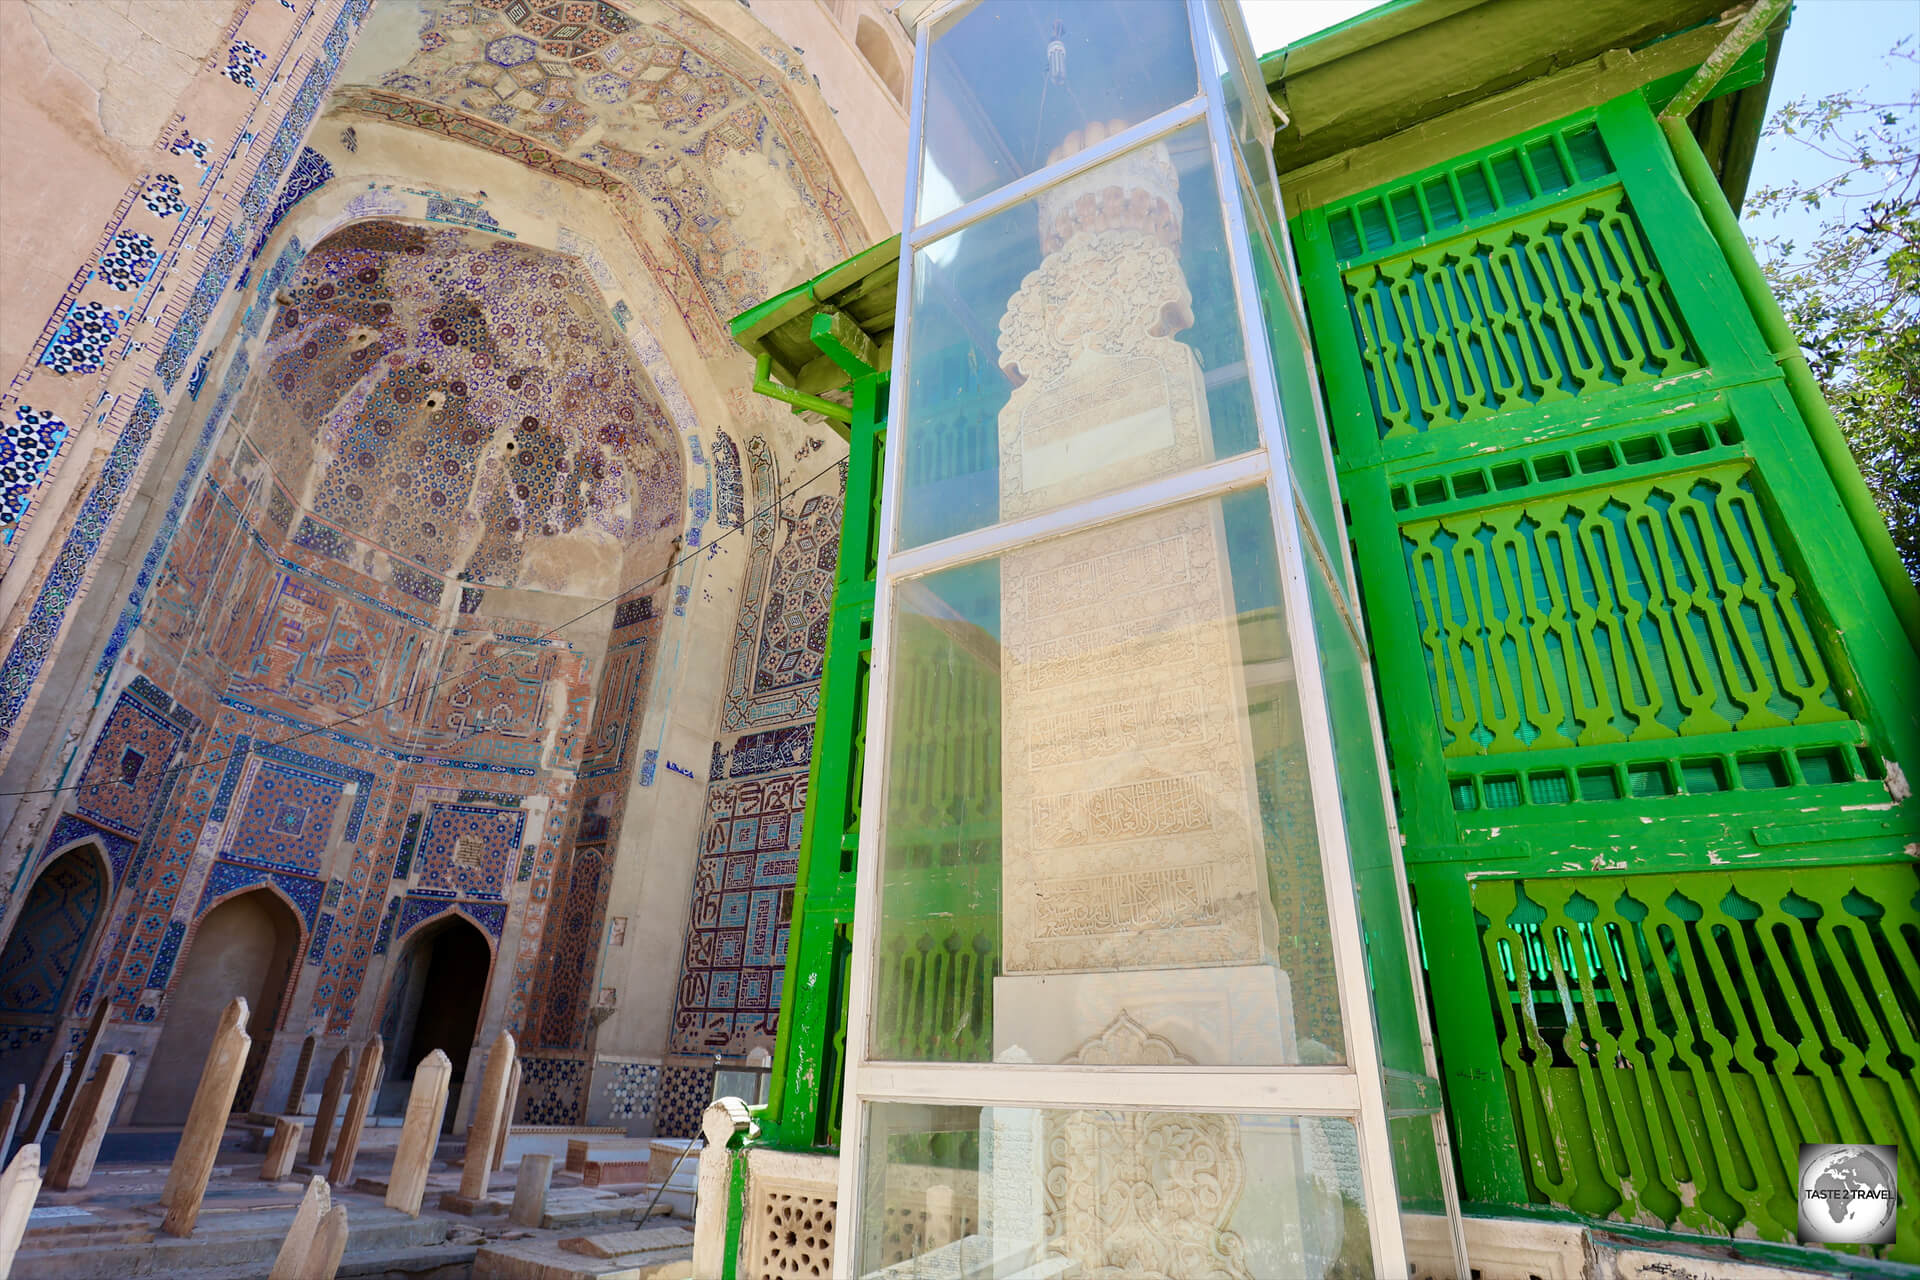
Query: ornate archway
x=45 y=952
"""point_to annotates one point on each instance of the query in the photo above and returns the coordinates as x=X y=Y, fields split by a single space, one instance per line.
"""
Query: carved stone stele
x=1131 y=832
x=1144 y=1194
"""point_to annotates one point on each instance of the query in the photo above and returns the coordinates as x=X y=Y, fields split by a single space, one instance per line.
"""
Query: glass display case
x=1131 y=988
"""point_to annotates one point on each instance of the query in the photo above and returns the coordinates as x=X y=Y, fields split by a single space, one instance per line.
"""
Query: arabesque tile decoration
x=423 y=380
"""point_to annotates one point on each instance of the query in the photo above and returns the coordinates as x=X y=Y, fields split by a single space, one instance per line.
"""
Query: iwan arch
x=401 y=356
x=1289 y=567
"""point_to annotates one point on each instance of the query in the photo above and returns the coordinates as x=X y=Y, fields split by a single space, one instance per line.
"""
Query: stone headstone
x=42 y=1116
x=87 y=1122
x=297 y=1248
x=507 y=1105
x=419 y=1133
x=10 y=1110
x=329 y=1244
x=530 y=1192
x=19 y=1185
x=82 y=1060
x=282 y=1148
x=302 y=1067
x=206 y=1120
x=488 y=1115
x=329 y=1105
x=366 y=1082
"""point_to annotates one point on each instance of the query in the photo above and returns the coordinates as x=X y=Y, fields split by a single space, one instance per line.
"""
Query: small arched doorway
x=43 y=958
x=433 y=1002
x=243 y=947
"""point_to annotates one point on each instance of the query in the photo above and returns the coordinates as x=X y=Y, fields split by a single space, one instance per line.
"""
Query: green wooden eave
x=1412 y=76
x=819 y=337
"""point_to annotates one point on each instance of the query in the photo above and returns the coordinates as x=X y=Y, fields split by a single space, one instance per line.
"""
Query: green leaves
x=1853 y=294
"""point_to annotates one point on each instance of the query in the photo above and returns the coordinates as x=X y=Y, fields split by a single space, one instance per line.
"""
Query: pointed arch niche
x=245 y=945
x=43 y=956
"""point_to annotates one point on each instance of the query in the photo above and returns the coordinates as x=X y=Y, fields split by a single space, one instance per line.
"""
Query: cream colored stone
x=330 y=1093
x=302 y=1067
x=792 y=1202
x=1131 y=833
x=291 y=1262
x=282 y=1148
x=92 y=1112
x=619 y=1244
x=366 y=1082
x=507 y=1106
x=207 y=1121
x=419 y=1133
x=488 y=1116
x=42 y=1117
x=720 y=1123
x=530 y=1190
x=329 y=1245
x=139 y=62
x=19 y=1186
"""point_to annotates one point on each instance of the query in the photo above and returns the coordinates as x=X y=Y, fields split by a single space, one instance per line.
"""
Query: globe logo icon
x=1847 y=1193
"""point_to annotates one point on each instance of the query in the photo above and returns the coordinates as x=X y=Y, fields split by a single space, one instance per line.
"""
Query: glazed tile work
x=385 y=439
x=729 y=995
x=479 y=413
x=550 y=1086
x=188 y=229
x=742 y=903
x=685 y=1091
x=642 y=97
x=399 y=391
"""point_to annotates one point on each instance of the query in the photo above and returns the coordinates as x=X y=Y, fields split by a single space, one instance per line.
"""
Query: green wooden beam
x=845 y=343
x=802 y=402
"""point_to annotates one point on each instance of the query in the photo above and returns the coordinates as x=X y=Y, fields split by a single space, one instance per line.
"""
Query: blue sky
x=1832 y=45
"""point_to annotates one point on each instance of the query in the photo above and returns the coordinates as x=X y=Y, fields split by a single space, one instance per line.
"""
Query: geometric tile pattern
x=49 y=935
x=631 y=1089
x=285 y=819
x=466 y=848
x=27 y=449
x=742 y=900
x=550 y=1089
x=128 y=767
x=685 y=1092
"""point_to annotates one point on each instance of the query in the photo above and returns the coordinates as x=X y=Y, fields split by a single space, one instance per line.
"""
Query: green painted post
x=798 y=1115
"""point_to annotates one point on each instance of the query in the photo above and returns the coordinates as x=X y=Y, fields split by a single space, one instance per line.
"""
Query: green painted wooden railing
x=1561 y=303
x=1654 y=608
x=1670 y=1041
x=1650 y=792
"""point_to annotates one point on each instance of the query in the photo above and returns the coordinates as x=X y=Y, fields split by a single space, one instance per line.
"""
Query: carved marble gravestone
x=1137 y=923
x=1133 y=873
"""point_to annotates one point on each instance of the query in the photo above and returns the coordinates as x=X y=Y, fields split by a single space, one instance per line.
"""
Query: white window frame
x=1354 y=1091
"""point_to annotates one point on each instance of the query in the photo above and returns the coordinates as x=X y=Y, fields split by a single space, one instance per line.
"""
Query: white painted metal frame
x=1253 y=83
x=1353 y=1092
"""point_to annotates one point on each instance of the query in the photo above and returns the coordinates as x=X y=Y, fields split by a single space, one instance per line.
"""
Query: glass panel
x=1249 y=113
x=1074 y=344
x=1005 y=1191
x=1098 y=816
x=1299 y=389
x=1014 y=85
x=1369 y=837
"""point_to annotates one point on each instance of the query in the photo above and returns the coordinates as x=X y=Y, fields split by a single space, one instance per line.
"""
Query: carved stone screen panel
x=1151 y=1195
